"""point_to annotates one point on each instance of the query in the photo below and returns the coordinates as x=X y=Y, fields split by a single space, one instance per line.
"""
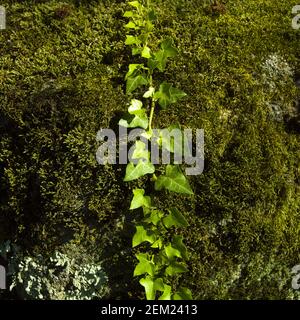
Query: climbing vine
x=166 y=256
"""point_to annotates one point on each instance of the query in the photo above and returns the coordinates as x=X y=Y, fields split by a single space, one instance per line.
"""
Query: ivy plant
x=165 y=256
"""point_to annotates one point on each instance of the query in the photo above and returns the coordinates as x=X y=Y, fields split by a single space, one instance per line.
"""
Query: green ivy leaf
x=183 y=294
x=140 y=151
x=135 y=82
x=167 y=51
x=151 y=286
x=136 y=51
x=149 y=93
x=132 y=40
x=146 y=53
x=140 y=118
x=144 y=265
x=132 y=68
x=174 y=181
x=142 y=235
x=128 y=14
x=168 y=95
x=175 y=218
x=154 y=217
x=176 y=249
x=135 y=4
x=142 y=168
x=131 y=25
x=175 y=268
x=139 y=200
x=166 y=294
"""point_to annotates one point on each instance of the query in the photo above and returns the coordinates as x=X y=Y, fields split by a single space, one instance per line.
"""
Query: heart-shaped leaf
x=167 y=51
x=146 y=53
x=175 y=218
x=154 y=217
x=142 y=235
x=132 y=68
x=176 y=249
x=142 y=168
x=151 y=286
x=139 y=200
x=140 y=118
x=135 y=82
x=166 y=294
x=140 y=151
x=144 y=265
x=174 y=181
x=168 y=95
x=130 y=40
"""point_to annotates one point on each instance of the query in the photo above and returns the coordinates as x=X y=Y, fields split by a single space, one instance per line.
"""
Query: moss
x=61 y=80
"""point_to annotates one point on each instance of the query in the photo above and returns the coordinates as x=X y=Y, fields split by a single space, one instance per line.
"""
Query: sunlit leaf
x=136 y=171
x=146 y=53
x=144 y=265
x=166 y=294
x=151 y=286
x=174 y=181
x=139 y=200
x=142 y=235
x=135 y=82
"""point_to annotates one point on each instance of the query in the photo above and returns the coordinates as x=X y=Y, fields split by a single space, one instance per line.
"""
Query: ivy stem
x=152 y=104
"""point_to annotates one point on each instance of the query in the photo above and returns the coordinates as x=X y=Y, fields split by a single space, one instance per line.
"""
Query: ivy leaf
x=140 y=118
x=168 y=95
x=132 y=68
x=175 y=268
x=149 y=93
x=166 y=294
x=146 y=53
x=151 y=286
x=135 y=4
x=135 y=82
x=139 y=200
x=167 y=51
x=142 y=168
x=175 y=218
x=131 y=25
x=154 y=217
x=157 y=244
x=132 y=40
x=128 y=14
x=183 y=294
x=136 y=51
x=176 y=249
x=174 y=181
x=142 y=235
x=152 y=63
x=144 y=265
x=140 y=151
